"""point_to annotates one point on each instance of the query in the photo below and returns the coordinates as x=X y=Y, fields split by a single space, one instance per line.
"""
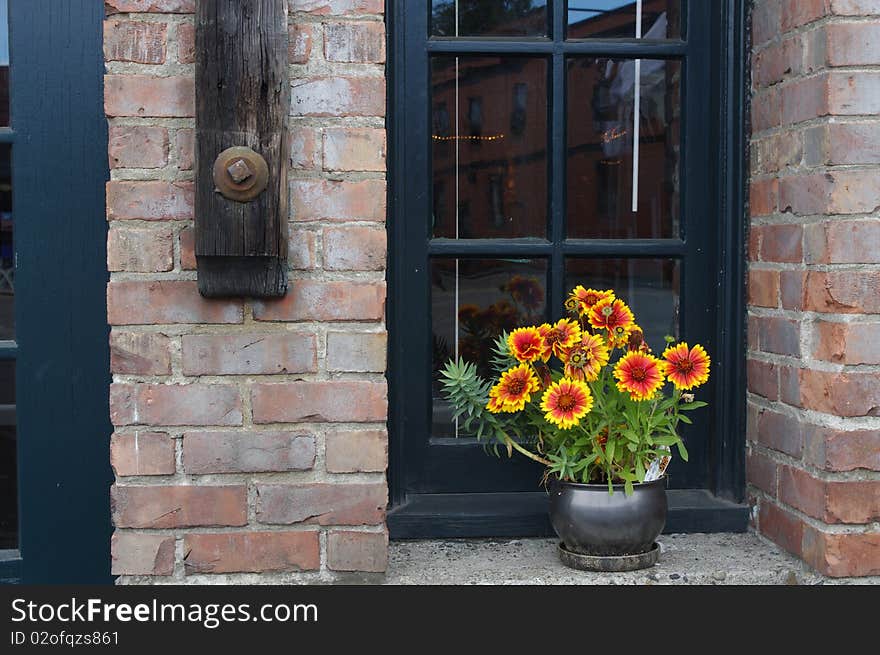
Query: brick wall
x=814 y=281
x=250 y=438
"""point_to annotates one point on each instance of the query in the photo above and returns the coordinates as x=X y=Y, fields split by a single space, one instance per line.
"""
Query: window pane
x=4 y=63
x=616 y=19
x=601 y=153
x=472 y=302
x=7 y=254
x=8 y=463
x=489 y=154
x=488 y=17
x=649 y=286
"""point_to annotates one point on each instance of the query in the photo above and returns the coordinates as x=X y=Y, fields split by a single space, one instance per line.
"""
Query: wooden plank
x=242 y=99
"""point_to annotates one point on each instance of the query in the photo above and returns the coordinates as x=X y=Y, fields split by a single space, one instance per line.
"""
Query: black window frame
x=719 y=118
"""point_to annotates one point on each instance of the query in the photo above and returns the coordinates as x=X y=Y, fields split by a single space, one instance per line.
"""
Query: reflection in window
x=8 y=455
x=4 y=63
x=616 y=19
x=482 y=98
x=488 y=17
x=472 y=302
x=600 y=154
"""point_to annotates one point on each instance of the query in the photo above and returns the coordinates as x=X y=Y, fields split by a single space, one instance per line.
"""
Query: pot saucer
x=608 y=563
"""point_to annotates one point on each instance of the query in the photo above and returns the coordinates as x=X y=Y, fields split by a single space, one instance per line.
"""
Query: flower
x=636 y=340
x=640 y=374
x=513 y=390
x=611 y=314
x=685 y=368
x=526 y=344
x=566 y=402
x=584 y=361
x=583 y=300
x=559 y=337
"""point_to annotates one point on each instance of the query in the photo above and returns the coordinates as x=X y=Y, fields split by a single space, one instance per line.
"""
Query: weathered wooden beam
x=242 y=102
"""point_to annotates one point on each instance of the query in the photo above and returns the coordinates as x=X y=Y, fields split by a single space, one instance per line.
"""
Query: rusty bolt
x=239 y=171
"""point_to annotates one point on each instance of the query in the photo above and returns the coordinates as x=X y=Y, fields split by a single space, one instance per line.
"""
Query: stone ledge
x=695 y=559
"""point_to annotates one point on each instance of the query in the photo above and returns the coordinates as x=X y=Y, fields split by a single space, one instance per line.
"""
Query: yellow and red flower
x=559 y=337
x=640 y=374
x=584 y=361
x=566 y=402
x=582 y=300
x=636 y=340
x=514 y=390
x=686 y=368
x=527 y=344
x=612 y=315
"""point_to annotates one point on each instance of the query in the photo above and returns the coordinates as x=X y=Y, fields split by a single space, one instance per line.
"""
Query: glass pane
x=488 y=18
x=7 y=254
x=4 y=63
x=472 y=302
x=649 y=286
x=604 y=157
x=8 y=463
x=489 y=154
x=616 y=19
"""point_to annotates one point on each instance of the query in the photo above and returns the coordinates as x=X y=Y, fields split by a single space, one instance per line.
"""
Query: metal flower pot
x=592 y=522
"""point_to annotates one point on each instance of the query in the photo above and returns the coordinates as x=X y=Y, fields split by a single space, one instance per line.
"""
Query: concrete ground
x=739 y=559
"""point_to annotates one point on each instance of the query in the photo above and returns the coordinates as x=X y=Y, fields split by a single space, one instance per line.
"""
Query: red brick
x=357 y=551
x=305 y=150
x=761 y=472
x=186 y=43
x=852 y=501
x=765 y=21
x=790 y=386
x=138 y=146
x=166 y=301
x=356 y=451
x=136 y=41
x=778 y=61
x=301 y=249
x=140 y=353
x=153 y=6
x=249 y=354
x=186 y=143
x=324 y=504
x=782 y=243
x=855 y=7
x=848 y=451
x=253 y=552
x=802 y=491
x=779 y=335
x=853 y=393
x=319 y=401
x=842 y=143
x=852 y=44
x=140 y=250
x=357 y=351
x=175 y=404
x=149 y=201
x=763 y=196
x=842 y=554
x=763 y=379
x=763 y=288
x=842 y=292
x=780 y=432
x=354 y=149
x=247 y=452
x=299 y=43
x=341 y=7
x=311 y=300
x=141 y=554
x=145 y=95
x=188 y=249
x=354 y=249
x=362 y=43
x=791 y=289
x=783 y=528
x=847 y=343
x=779 y=151
x=837 y=192
x=338 y=200
x=338 y=96
x=142 y=453
x=805 y=99
x=178 y=507
x=843 y=242
x=766 y=109
x=795 y=13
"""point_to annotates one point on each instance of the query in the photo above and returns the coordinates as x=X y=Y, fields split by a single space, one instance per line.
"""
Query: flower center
x=607 y=310
x=565 y=402
x=515 y=387
x=686 y=366
x=576 y=358
x=639 y=374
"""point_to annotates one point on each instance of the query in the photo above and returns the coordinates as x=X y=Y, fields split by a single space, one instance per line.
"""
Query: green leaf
x=682 y=451
x=696 y=404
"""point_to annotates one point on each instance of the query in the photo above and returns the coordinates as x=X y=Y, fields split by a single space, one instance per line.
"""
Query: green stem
x=523 y=451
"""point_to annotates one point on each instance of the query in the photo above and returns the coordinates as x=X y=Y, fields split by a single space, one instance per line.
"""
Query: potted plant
x=587 y=398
